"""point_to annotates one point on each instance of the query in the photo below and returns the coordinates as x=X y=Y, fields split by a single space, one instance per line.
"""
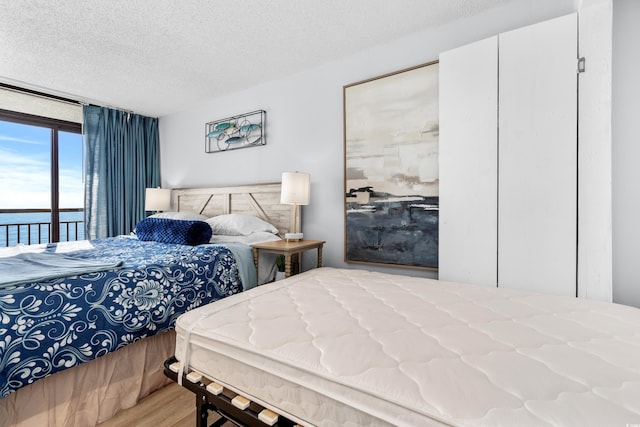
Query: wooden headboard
x=261 y=200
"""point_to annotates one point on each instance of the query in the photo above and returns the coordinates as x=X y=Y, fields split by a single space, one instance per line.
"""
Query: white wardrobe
x=510 y=154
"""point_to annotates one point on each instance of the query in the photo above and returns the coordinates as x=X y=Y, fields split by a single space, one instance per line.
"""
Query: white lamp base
x=293 y=236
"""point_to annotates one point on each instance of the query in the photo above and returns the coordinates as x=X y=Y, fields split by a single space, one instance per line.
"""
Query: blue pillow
x=175 y=231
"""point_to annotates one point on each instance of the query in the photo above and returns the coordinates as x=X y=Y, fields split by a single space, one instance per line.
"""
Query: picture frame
x=391 y=169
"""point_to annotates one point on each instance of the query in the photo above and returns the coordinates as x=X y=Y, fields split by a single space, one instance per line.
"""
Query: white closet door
x=595 y=272
x=537 y=176
x=468 y=163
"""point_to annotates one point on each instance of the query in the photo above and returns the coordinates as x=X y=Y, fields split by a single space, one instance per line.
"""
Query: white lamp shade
x=157 y=199
x=295 y=188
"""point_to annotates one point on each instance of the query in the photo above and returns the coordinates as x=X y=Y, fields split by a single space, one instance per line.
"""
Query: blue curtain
x=121 y=160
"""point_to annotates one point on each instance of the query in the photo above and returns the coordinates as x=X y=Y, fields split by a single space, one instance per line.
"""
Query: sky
x=392 y=133
x=25 y=167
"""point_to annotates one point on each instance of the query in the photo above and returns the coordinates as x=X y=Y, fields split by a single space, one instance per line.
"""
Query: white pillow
x=185 y=216
x=239 y=225
x=249 y=239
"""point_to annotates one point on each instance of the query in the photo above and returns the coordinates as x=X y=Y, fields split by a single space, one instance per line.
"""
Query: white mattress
x=350 y=347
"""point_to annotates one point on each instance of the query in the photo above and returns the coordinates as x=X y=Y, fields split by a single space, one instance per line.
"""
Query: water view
x=26 y=168
x=39 y=229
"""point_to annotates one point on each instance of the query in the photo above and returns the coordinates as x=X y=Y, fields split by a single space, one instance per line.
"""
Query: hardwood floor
x=171 y=406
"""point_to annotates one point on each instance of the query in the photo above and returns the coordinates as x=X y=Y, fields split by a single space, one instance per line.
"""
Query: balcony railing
x=17 y=227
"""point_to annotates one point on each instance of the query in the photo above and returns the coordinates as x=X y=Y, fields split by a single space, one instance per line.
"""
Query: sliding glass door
x=41 y=188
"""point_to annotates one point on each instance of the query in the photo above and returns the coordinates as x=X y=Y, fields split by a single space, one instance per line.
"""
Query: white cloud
x=20 y=140
x=13 y=159
x=25 y=182
x=25 y=200
x=71 y=188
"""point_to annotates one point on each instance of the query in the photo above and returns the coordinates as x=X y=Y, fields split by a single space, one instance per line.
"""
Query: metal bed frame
x=207 y=402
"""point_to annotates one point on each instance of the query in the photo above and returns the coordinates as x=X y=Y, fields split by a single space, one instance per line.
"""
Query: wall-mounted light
x=295 y=191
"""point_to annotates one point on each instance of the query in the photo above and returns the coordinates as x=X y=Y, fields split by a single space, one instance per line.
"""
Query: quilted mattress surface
x=415 y=351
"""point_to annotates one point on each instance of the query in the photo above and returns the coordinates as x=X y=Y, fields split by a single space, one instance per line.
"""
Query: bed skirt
x=93 y=392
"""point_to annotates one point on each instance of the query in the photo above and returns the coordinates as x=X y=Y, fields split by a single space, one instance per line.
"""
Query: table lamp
x=157 y=199
x=295 y=191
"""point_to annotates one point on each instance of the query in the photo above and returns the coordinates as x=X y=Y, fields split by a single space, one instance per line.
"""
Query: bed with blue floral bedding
x=51 y=325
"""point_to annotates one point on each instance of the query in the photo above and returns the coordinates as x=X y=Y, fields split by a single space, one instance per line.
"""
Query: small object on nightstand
x=293 y=237
x=288 y=250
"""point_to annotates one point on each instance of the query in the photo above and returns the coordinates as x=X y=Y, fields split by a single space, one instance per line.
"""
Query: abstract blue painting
x=391 y=168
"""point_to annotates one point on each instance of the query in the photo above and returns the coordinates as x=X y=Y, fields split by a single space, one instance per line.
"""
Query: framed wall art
x=241 y=131
x=391 y=169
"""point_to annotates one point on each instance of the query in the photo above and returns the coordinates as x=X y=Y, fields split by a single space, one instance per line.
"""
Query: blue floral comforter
x=49 y=326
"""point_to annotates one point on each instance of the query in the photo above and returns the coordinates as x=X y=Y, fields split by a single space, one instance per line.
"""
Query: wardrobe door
x=468 y=163
x=537 y=146
x=595 y=263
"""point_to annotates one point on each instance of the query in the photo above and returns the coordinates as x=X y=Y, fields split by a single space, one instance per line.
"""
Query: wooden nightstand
x=288 y=249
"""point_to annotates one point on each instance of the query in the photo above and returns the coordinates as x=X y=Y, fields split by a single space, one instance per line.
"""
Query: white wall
x=305 y=123
x=626 y=152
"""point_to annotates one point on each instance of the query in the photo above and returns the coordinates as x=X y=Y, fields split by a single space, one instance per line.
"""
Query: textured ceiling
x=161 y=56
